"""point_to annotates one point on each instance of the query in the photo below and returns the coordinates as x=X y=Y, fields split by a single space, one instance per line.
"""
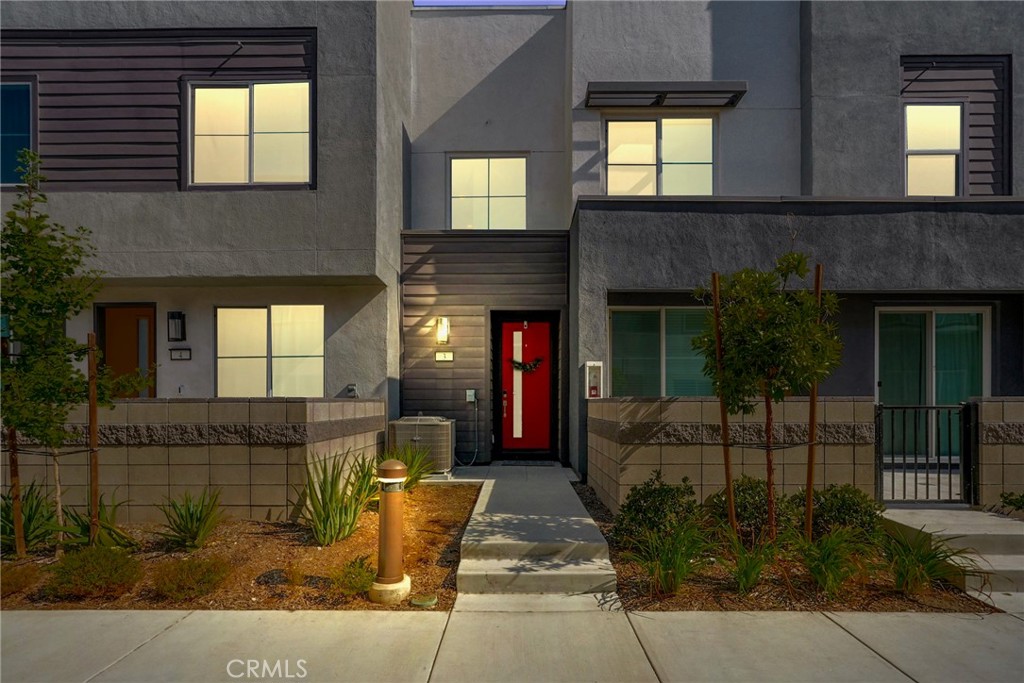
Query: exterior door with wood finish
x=127 y=336
x=526 y=377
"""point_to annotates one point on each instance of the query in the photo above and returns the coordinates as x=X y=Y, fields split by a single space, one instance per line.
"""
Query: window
x=934 y=143
x=251 y=133
x=15 y=128
x=488 y=193
x=661 y=157
x=652 y=355
x=281 y=347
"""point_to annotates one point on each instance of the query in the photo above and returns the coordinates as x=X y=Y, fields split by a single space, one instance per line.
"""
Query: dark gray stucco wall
x=851 y=58
x=758 y=142
x=489 y=81
x=328 y=233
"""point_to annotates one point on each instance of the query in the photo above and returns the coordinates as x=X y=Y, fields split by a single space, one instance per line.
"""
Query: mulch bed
x=784 y=586
x=263 y=556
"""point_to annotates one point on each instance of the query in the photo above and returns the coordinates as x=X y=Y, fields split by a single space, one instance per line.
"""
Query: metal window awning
x=664 y=93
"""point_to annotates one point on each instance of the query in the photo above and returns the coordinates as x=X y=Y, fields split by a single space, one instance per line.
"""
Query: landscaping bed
x=272 y=565
x=784 y=585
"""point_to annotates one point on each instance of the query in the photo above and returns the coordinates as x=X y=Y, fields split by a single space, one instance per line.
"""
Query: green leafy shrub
x=77 y=524
x=833 y=558
x=918 y=560
x=416 y=459
x=354 y=578
x=334 y=501
x=18 y=578
x=95 y=571
x=837 y=506
x=190 y=578
x=669 y=557
x=654 y=506
x=190 y=521
x=38 y=514
x=1014 y=501
x=747 y=563
x=751 y=498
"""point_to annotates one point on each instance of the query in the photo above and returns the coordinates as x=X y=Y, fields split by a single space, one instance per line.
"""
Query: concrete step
x=535 y=575
x=1008 y=601
x=1003 y=573
x=497 y=548
x=982 y=532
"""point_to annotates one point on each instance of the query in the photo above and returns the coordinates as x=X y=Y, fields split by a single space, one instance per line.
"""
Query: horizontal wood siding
x=465 y=276
x=984 y=82
x=109 y=103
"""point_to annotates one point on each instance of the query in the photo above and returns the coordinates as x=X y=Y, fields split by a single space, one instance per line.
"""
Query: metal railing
x=926 y=454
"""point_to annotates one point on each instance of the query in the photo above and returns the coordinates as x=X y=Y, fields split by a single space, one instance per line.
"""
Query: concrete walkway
x=530 y=638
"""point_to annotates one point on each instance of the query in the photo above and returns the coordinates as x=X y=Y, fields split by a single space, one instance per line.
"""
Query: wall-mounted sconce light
x=442 y=330
x=175 y=326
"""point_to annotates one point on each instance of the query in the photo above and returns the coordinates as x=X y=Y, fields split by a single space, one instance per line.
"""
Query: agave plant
x=190 y=521
x=417 y=461
x=38 y=515
x=78 y=525
x=335 y=500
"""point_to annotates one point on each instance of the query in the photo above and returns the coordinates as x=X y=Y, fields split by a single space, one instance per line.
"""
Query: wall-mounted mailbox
x=595 y=379
x=444 y=356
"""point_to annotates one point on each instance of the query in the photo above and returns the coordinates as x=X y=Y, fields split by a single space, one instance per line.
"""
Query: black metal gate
x=926 y=454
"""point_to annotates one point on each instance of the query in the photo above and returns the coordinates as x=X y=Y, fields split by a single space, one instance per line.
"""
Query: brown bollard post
x=392 y=584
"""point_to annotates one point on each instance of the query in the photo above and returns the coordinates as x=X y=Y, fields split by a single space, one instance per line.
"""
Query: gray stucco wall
x=489 y=81
x=329 y=232
x=851 y=57
x=758 y=142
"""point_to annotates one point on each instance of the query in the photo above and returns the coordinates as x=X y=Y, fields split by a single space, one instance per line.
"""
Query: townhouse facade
x=499 y=214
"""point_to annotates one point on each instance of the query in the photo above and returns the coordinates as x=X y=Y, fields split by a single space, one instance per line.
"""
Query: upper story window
x=957 y=125
x=280 y=348
x=652 y=354
x=251 y=133
x=667 y=156
x=934 y=149
x=15 y=128
x=488 y=193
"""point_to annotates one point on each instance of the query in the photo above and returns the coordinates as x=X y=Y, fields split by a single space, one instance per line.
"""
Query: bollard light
x=392 y=584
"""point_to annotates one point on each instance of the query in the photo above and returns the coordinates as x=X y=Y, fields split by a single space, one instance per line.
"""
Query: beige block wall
x=1001 y=456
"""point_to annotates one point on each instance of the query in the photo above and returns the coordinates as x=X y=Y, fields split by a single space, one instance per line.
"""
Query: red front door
x=526 y=385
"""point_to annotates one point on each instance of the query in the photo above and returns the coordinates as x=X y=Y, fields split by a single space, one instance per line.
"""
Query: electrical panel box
x=595 y=379
x=470 y=395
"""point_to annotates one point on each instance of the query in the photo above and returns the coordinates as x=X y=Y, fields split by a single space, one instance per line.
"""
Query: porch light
x=442 y=330
x=175 y=326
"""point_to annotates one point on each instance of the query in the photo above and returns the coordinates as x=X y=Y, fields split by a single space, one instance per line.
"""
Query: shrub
x=38 y=514
x=748 y=563
x=190 y=578
x=672 y=556
x=93 y=572
x=334 y=501
x=654 y=506
x=917 y=561
x=416 y=459
x=837 y=506
x=191 y=521
x=78 y=524
x=832 y=558
x=18 y=578
x=354 y=578
x=1014 y=501
x=751 y=498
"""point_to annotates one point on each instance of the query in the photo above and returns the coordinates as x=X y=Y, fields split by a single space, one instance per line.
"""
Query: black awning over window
x=665 y=93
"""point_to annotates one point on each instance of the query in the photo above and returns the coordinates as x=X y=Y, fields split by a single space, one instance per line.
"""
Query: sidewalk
x=562 y=639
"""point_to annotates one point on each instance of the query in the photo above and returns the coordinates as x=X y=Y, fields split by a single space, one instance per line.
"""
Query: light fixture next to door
x=175 y=326
x=442 y=330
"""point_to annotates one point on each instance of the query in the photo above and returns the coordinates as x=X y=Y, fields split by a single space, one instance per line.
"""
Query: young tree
x=775 y=341
x=45 y=282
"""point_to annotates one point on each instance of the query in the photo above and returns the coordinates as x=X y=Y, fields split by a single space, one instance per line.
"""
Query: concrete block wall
x=254 y=450
x=630 y=438
x=1001 y=452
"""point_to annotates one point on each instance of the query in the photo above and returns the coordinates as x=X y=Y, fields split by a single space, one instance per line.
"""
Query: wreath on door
x=526 y=366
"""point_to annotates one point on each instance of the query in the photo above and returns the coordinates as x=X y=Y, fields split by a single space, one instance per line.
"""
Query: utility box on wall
x=595 y=379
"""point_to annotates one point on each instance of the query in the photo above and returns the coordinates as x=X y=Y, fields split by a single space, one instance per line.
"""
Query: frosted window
x=632 y=180
x=632 y=142
x=241 y=332
x=931 y=175
x=687 y=140
x=933 y=127
x=297 y=330
x=221 y=111
x=681 y=179
x=281 y=107
x=241 y=377
x=299 y=377
x=281 y=158
x=488 y=193
x=220 y=159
